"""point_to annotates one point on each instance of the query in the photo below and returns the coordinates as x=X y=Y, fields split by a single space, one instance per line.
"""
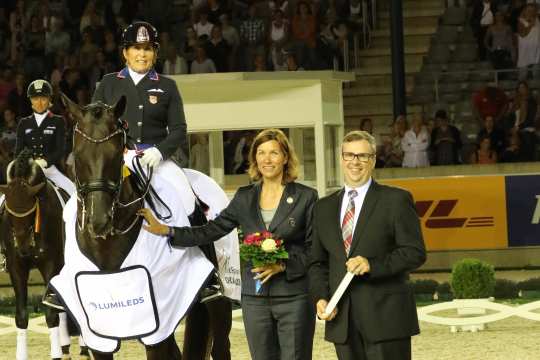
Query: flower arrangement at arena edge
x=262 y=249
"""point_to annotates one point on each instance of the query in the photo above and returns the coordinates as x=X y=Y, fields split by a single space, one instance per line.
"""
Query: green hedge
x=529 y=285
x=472 y=279
x=505 y=289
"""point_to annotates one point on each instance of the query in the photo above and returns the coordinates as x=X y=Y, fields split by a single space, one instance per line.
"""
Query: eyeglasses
x=364 y=157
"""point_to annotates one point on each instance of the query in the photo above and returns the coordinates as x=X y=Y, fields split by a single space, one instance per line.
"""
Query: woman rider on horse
x=154 y=116
x=44 y=134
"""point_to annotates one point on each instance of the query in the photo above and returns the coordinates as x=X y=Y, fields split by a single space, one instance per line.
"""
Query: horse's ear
x=73 y=109
x=3 y=189
x=120 y=107
x=36 y=188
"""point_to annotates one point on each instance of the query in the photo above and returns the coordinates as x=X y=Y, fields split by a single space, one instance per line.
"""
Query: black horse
x=33 y=233
x=108 y=225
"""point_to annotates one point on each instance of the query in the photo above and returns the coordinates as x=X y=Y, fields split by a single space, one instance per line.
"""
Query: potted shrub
x=530 y=289
x=472 y=279
x=424 y=289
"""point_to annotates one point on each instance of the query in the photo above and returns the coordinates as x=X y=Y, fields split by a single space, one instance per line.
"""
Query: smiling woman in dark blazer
x=279 y=319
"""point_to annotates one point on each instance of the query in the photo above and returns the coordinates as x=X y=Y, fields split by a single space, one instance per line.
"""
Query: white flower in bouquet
x=269 y=245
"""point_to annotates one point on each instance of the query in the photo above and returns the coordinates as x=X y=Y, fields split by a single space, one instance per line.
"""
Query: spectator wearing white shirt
x=203 y=27
x=174 y=64
x=415 y=144
x=202 y=64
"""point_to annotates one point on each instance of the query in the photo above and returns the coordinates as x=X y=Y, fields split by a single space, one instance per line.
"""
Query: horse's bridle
x=112 y=187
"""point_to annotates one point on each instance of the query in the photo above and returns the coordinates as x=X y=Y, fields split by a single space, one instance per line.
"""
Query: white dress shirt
x=40 y=117
x=358 y=201
x=135 y=76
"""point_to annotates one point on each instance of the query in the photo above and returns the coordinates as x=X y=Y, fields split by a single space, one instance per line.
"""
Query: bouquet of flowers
x=262 y=249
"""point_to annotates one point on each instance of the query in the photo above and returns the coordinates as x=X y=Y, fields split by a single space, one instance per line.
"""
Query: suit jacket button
x=138 y=140
x=140 y=106
x=139 y=123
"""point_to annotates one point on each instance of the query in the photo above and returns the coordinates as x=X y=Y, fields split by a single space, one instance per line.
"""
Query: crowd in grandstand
x=74 y=43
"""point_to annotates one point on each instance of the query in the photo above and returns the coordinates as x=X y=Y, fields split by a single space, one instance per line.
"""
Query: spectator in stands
x=490 y=101
x=281 y=5
x=71 y=81
x=415 y=144
x=366 y=124
x=17 y=99
x=9 y=132
x=260 y=63
x=87 y=52
x=6 y=85
x=304 y=31
x=278 y=36
x=292 y=62
x=56 y=38
x=215 y=10
x=218 y=50
x=174 y=64
x=515 y=12
x=199 y=157
x=203 y=26
x=495 y=135
x=521 y=120
x=191 y=43
x=528 y=40
x=4 y=37
x=230 y=34
x=485 y=153
x=89 y=15
x=445 y=141
x=481 y=19
x=513 y=152
x=34 y=49
x=110 y=49
x=98 y=70
x=499 y=41
x=392 y=147
x=202 y=64
x=252 y=36
x=351 y=11
x=18 y=25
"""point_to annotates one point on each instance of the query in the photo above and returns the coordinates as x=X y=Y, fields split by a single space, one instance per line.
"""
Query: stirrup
x=210 y=293
x=51 y=300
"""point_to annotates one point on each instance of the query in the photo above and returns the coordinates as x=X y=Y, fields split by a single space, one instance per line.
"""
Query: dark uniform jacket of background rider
x=154 y=112
x=46 y=141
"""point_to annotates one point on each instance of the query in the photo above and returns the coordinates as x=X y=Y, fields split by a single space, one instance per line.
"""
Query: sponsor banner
x=523 y=209
x=460 y=213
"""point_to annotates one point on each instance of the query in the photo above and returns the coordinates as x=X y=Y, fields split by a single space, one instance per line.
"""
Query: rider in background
x=154 y=116
x=44 y=134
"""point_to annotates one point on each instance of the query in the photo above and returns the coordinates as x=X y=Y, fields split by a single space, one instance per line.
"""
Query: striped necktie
x=348 y=222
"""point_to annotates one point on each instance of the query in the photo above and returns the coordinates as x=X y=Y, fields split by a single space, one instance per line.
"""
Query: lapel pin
x=290 y=200
x=292 y=222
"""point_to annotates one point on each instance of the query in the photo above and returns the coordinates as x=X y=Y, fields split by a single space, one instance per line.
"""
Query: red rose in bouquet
x=262 y=249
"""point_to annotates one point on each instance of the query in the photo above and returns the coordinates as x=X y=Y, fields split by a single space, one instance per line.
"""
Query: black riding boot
x=214 y=287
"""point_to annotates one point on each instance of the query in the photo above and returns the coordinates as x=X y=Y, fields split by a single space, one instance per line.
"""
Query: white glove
x=151 y=157
x=41 y=162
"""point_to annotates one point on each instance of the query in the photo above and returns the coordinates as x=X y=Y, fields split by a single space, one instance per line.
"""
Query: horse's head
x=24 y=182
x=98 y=147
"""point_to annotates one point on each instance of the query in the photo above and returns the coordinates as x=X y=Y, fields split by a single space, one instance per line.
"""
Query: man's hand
x=267 y=271
x=321 y=307
x=41 y=162
x=358 y=265
x=153 y=225
x=151 y=157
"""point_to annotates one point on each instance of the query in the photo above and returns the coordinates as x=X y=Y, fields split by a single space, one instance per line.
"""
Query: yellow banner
x=460 y=212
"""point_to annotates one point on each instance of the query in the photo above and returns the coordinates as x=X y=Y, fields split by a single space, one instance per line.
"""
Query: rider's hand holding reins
x=267 y=271
x=151 y=157
x=153 y=225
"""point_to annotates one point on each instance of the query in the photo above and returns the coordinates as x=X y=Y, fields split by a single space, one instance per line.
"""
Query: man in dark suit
x=373 y=231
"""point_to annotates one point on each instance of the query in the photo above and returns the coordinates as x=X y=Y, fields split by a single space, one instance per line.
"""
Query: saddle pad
x=118 y=305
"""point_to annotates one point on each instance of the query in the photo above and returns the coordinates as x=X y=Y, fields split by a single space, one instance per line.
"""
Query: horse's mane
x=23 y=167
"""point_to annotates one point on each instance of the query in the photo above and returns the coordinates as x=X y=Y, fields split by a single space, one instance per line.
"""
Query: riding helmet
x=140 y=32
x=39 y=88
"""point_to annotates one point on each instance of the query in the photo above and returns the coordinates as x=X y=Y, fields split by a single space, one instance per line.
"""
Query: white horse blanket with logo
x=176 y=274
